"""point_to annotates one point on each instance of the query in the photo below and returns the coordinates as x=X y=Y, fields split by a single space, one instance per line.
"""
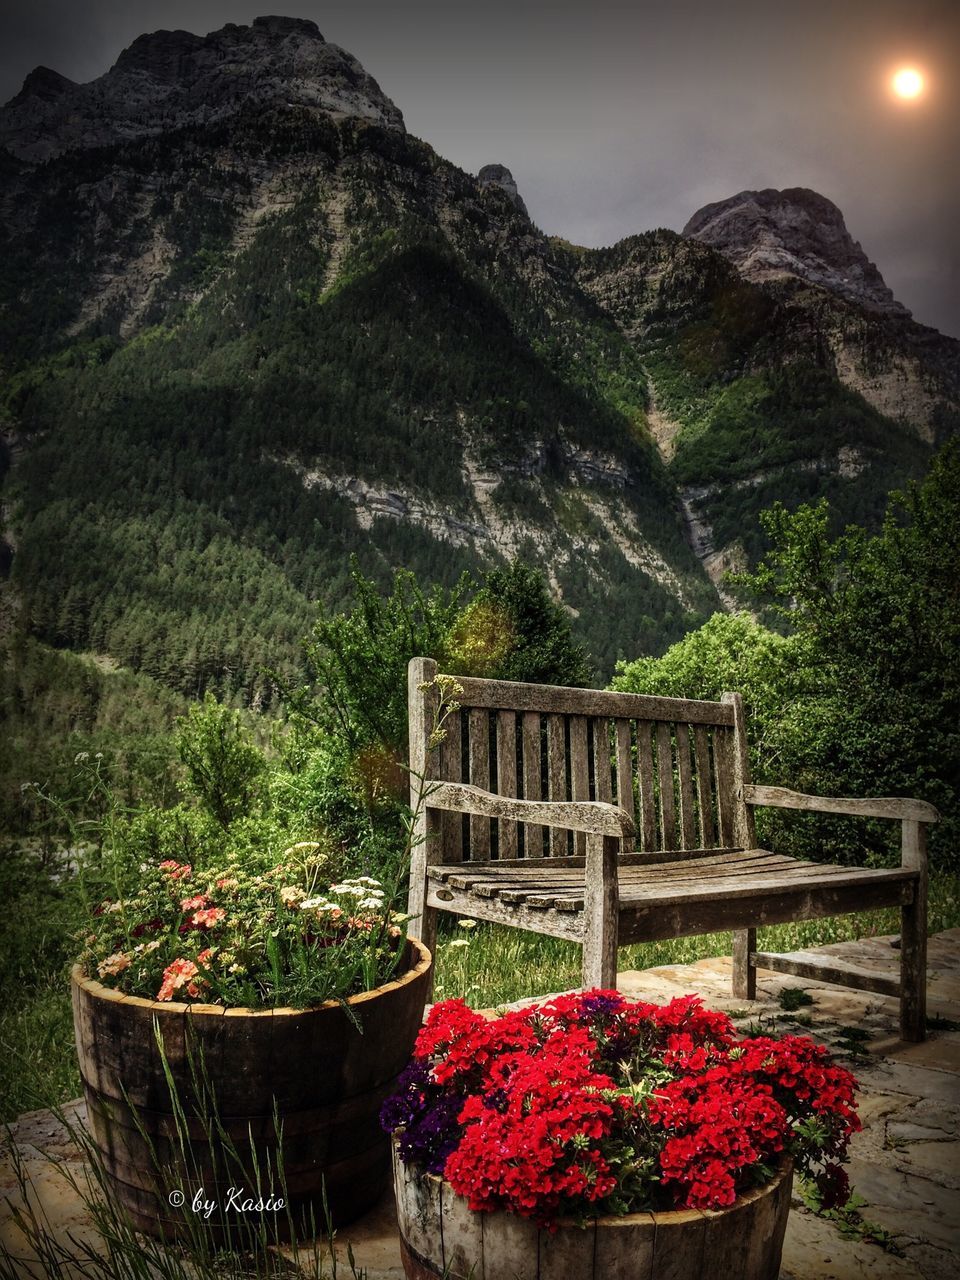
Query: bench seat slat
x=757 y=874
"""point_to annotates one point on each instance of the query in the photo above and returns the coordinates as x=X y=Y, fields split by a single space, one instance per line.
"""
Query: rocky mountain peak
x=167 y=80
x=771 y=235
x=288 y=26
x=498 y=175
x=42 y=83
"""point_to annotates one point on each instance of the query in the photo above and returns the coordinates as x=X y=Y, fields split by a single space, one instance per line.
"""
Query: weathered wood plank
x=451 y=769
x=678 y=1245
x=802 y=881
x=557 y=776
x=723 y=765
x=652 y=919
x=668 y=824
x=479 y=722
x=648 y=812
x=688 y=817
x=819 y=968
x=532 y=784
x=624 y=1247
x=879 y=807
x=744 y=833
x=507 y=778
x=418 y=1205
x=579 y=771
x=625 y=791
x=743 y=975
x=913 y=935
x=461 y=1236
x=509 y=1247
x=568 y=815
x=553 y=924
x=569 y=1255
x=601 y=912
x=556 y=700
x=693 y=868
x=704 y=791
x=422 y=700
x=602 y=760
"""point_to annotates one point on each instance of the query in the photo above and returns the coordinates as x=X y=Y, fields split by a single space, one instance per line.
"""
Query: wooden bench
x=532 y=800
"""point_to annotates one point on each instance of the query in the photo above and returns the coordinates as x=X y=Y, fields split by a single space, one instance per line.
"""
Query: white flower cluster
x=366 y=890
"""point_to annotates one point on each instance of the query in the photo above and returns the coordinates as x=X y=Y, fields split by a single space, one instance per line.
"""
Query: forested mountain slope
x=251 y=327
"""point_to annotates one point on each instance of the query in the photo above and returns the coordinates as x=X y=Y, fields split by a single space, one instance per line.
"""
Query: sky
x=619 y=117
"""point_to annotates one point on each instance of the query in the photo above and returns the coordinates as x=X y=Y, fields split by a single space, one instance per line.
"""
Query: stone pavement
x=905 y=1165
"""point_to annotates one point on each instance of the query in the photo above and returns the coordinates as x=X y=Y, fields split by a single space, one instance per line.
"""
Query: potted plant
x=592 y=1136
x=238 y=1027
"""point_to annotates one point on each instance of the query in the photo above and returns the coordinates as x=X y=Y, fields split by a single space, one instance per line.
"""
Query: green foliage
x=58 y=708
x=733 y=652
x=352 y=773
x=513 y=630
x=881 y=615
x=863 y=696
x=358 y=659
x=225 y=769
x=40 y=914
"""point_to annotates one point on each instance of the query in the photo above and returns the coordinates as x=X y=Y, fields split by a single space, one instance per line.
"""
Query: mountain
x=796 y=233
x=174 y=78
x=250 y=327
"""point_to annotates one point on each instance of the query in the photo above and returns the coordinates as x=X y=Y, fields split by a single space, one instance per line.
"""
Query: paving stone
x=909 y=1205
x=813 y=1249
x=899 y=1132
x=884 y=1076
x=939 y=1160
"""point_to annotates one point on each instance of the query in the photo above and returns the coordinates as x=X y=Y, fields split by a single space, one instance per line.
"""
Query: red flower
x=589 y=1104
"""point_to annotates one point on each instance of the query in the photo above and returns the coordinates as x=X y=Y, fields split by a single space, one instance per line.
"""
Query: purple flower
x=426 y=1115
x=601 y=1004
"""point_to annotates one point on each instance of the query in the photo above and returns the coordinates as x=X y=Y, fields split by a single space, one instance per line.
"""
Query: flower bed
x=590 y=1105
x=245 y=936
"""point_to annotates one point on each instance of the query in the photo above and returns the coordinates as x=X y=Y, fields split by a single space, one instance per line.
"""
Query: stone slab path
x=905 y=1165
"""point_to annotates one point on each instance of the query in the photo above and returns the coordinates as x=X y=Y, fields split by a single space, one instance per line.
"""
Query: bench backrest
x=676 y=766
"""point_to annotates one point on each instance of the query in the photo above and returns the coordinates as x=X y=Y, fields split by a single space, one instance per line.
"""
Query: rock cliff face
x=171 y=79
x=771 y=234
x=499 y=176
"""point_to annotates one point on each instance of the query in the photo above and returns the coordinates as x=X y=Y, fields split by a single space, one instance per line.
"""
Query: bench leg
x=744 y=974
x=601 y=916
x=600 y=961
x=913 y=971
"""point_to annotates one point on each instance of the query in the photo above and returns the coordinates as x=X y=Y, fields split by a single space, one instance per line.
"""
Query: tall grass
x=209 y=1246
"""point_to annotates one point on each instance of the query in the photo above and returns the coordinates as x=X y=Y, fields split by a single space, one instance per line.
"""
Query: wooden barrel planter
x=441 y=1236
x=298 y=1087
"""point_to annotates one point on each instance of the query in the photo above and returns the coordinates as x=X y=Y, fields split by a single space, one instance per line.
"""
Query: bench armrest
x=881 y=807
x=593 y=816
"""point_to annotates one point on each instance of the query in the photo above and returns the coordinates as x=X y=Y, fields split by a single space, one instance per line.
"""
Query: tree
x=224 y=766
x=513 y=630
x=881 y=618
x=863 y=695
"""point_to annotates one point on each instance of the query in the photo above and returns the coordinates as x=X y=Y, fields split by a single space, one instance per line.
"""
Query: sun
x=907 y=83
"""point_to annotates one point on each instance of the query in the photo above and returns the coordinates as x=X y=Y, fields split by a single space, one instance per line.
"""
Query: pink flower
x=113 y=965
x=175 y=976
x=208 y=918
x=175 y=870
